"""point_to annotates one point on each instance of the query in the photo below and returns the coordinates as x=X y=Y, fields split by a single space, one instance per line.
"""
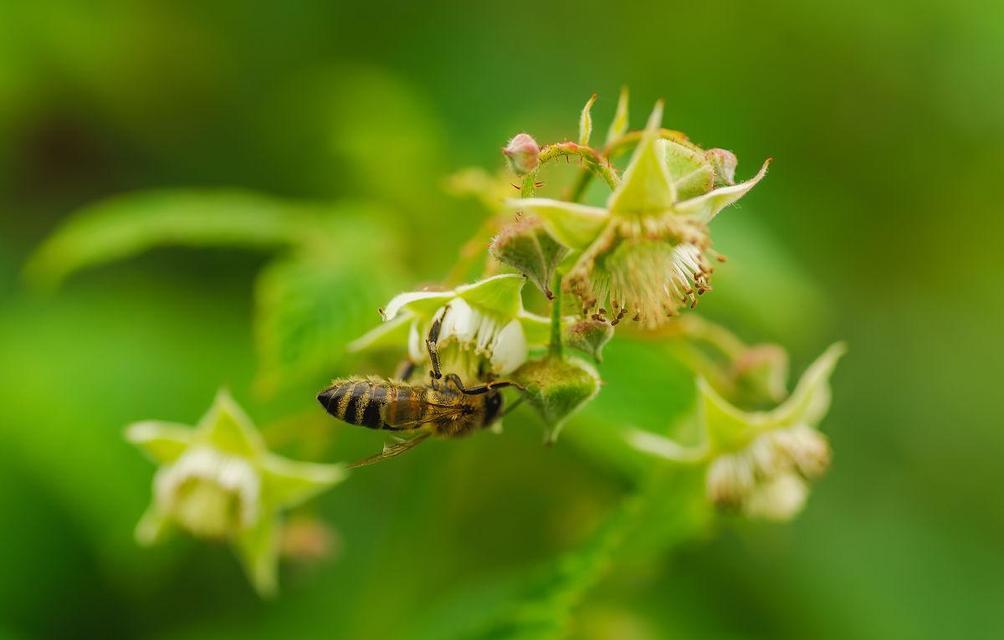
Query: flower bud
x=523 y=154
x=590 y=335
x=724 y=164
x=556 y=387
x=760 y=375
x=527 y=247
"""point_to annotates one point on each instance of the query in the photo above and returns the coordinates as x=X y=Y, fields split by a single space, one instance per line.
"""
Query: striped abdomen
x=376 y=403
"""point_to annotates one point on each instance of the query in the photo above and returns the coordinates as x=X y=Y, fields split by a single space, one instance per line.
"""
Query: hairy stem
x=554 y=348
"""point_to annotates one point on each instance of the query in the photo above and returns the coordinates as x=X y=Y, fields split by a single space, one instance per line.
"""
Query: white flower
x=219 y=481
x=760 y=463
x=483 y=322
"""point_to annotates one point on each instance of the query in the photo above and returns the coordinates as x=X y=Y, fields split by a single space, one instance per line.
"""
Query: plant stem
x=554 y=348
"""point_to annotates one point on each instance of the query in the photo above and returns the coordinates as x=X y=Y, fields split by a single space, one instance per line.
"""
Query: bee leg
x=485 y=388
x=430 y=344
x=405 y=370
x=512 y=406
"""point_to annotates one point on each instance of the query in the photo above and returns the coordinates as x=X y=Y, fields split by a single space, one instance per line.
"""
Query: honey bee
x=445 y=407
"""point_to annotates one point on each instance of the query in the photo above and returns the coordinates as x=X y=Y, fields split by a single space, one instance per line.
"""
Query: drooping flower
x=218 y=481
x=760 y=463
x=483 y=327
x=645 y=254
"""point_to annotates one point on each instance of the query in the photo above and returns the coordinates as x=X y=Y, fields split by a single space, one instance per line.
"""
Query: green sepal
x=647 y=187
x=226 y=428
x=586 y=122
x=162 y=442
x=573 y=225
x=527 y=247
x=619 y=125
x=258 y=550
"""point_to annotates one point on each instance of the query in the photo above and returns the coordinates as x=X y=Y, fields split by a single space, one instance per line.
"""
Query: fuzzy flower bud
x=590 y=336
x=527 y=247
x=760 y=375
x=557 y=387
x=523 y=154
x=723 y=163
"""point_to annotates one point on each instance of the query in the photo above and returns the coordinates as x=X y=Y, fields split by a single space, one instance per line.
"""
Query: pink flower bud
x=523 y=154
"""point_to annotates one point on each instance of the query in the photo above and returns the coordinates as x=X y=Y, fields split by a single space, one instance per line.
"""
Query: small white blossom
x=760 y=463
x=483 y=322
x=218 y=481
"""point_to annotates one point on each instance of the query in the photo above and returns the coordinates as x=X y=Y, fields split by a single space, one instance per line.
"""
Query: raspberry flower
x=759 y=463
x=483 y=327
x=646 y=253
x=218 y=481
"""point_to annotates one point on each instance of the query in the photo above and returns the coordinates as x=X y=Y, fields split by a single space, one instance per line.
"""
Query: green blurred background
x=879 y=223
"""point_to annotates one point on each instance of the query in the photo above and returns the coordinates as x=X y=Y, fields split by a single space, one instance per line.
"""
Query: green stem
x=594 y=163
x=555 y=346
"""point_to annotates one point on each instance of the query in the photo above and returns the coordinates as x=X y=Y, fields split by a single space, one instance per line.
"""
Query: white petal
x=460 y=321
x=509 y=349
x=421 y=301
x=416 y=345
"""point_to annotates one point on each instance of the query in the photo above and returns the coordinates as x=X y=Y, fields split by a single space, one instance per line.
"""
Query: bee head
x=493 y=404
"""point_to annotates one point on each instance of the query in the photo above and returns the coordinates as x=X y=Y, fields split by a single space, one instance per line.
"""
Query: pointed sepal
x=527 y=247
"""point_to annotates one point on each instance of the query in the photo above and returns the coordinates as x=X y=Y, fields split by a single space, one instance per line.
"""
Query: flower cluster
x=647 y=253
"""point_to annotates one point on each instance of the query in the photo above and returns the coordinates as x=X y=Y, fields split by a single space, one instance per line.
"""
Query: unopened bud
x=761 y=375
x=590 y=336
x=528 y=248
x=523 y=154
x=307 y=540
x=556 y=387
x=724 y=164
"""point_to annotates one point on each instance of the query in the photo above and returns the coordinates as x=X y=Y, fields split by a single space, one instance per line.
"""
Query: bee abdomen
x=356 y=401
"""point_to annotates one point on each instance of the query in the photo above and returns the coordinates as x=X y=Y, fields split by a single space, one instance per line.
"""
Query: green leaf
x=128 y=225
x=308 y=308
x=311 y=305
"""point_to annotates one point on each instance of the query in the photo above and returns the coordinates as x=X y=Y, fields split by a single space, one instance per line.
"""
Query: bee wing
x=443 y=411
x=390 y=451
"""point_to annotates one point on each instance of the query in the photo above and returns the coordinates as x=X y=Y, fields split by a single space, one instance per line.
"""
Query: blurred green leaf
x=308 y=308
x=127 y=225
